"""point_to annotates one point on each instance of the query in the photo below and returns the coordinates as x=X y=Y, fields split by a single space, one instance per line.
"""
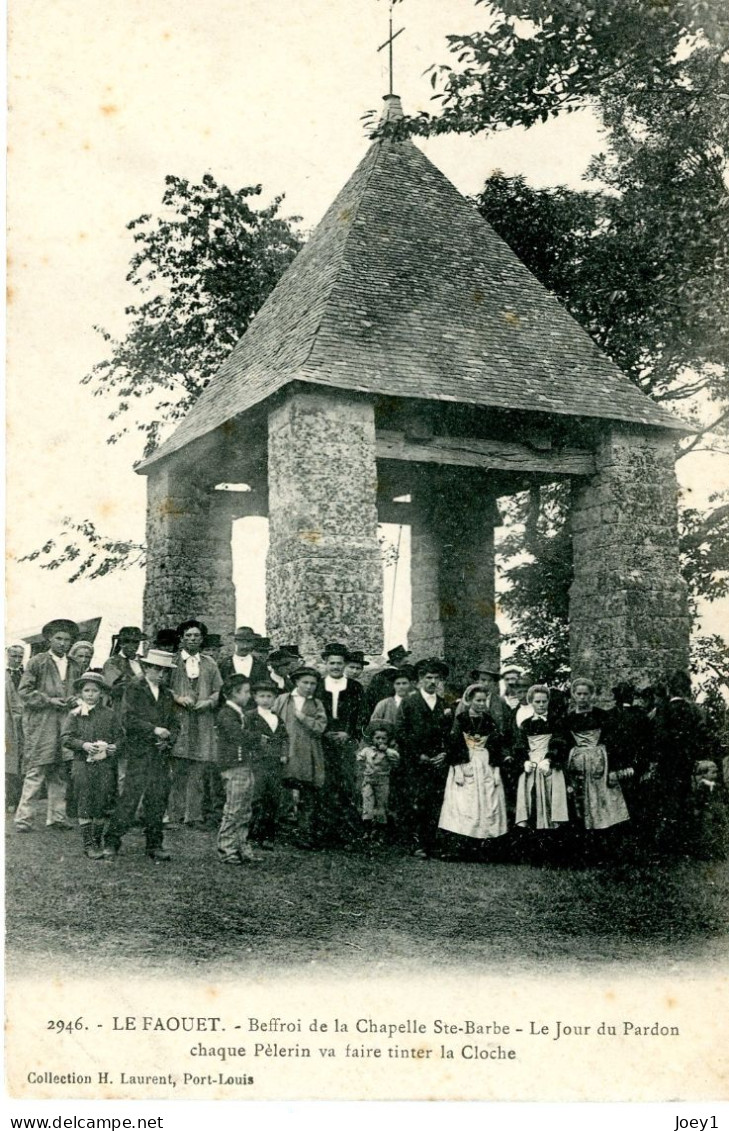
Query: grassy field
x=384 y=912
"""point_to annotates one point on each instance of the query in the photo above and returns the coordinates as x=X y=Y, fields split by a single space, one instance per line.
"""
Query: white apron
x=542 y=797
x=598 y=804
x=474 y=804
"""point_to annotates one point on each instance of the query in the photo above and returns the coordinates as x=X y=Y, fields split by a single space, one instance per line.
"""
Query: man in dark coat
x=151 y=721
x=343 y=701
x=682 y=739
x=422 y=728
x=243 y=661
x=123 y=665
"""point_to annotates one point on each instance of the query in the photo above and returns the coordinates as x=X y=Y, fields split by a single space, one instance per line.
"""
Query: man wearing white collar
x=343 y=701
x=151 y=723
x=45 y=690
x=422 y=730
x=243 y=660
x=195 y=684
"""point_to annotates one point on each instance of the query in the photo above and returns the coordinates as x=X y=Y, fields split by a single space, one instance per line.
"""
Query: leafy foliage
x=88 y=553
x=535 y=561
x=203 y=267
x=647 y=271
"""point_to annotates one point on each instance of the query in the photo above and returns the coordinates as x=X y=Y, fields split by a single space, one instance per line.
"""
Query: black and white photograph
x=367 y=620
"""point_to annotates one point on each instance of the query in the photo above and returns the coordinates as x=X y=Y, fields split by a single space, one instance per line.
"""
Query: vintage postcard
x=367 y=610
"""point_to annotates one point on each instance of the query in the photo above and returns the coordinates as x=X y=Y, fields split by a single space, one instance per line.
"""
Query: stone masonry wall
x=189 y=555
x=324 y=568
x=628 y=608
x=452 y=570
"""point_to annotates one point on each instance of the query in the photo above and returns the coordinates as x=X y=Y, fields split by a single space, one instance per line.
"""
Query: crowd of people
x=261 y=747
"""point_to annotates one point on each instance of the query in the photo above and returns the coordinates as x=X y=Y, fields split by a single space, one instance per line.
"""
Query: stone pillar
x=189 y=555
x=628 y=606
x=324 y=568
x=452 y=567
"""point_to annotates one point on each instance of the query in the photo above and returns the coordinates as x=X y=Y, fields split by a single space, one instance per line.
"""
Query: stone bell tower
x=408 y=368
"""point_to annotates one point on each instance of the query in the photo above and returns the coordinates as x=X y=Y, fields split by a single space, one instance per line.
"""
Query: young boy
x=386 y=710
x=270 y=755
x=91 y=732
x=151 y=722
x=236 y=741
x=375 y=760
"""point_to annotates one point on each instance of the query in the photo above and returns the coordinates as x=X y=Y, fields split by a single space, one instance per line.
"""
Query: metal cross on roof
x=388 y=41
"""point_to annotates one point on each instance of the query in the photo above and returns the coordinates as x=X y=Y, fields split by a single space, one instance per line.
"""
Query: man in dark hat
x=166 y=640
x=151 y=723
x=379 y=681
x=343 y=701
x=262 y=648
x=280 y=664
x=123 y=665
x=422 y=729
x=355 y=664
x=195 y=684
x=46 y=690
x=243 y=661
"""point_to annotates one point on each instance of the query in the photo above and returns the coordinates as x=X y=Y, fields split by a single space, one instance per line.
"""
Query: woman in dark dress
x=541 y=798
x=595 y=790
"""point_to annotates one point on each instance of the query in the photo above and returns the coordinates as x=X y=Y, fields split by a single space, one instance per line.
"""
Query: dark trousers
x=341 y=796
x=428 y=797
x=267 y=799
x=148 y=777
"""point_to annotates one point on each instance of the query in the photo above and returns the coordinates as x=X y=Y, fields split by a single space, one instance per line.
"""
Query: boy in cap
x=151 y=724
x=236 y=741
x=403 y=682
x=305 y=720
x=46 y=691
x=379 y=680
x=91 y=735
x=270 y=755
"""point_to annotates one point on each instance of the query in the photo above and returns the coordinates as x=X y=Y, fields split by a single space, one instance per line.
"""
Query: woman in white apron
x=541 y=794
x=597 y=795
x=474 y=805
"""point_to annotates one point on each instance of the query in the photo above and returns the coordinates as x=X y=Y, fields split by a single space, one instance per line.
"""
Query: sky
x=105 y=101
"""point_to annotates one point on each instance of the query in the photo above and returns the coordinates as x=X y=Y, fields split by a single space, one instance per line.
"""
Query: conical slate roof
x=404 y=290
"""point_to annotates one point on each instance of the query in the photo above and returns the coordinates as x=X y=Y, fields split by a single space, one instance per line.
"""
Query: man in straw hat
x=151 y=724
x=46 y=691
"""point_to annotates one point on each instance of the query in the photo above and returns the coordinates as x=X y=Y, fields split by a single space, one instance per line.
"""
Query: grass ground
x=383 y=912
